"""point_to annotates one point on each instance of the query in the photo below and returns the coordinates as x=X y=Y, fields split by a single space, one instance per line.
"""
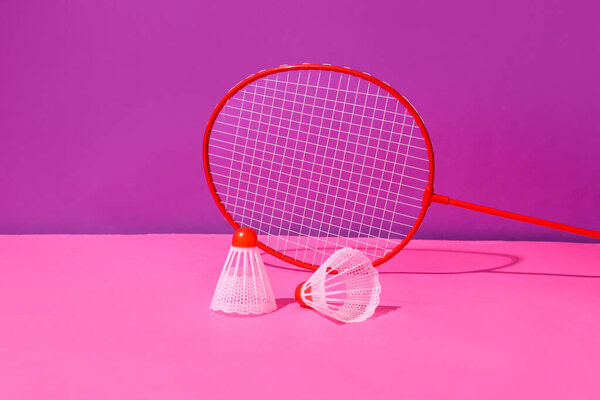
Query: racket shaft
x=523 y=218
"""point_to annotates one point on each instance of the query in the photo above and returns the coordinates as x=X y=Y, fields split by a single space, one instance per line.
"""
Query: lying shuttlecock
x=346 y=287
x=243 y=286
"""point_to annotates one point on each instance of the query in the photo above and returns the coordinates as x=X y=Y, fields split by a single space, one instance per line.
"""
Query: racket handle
x=436 y=198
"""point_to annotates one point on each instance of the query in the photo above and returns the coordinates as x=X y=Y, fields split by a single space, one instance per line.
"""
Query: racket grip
x=436 y=198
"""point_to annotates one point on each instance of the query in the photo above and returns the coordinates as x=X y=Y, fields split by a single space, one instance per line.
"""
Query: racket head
x=251 y=124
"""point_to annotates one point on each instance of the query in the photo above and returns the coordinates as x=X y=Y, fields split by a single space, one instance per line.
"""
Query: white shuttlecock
x=346 y=287
x=243 y=286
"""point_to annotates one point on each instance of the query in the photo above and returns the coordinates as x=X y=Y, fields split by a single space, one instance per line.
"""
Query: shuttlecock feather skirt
x=243 y=287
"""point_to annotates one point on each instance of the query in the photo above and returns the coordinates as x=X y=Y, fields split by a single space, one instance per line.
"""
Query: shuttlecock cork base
x=298 y=295
x=346 y=287
x=244 y=287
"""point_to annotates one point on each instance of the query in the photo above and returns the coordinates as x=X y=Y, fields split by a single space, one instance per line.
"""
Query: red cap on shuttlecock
x=298 y=295
x=244 y=237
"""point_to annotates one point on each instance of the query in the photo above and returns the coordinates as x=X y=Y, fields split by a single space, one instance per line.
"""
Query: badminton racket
x=318 y=157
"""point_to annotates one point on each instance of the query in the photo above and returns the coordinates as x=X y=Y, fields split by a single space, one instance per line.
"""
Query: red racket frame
x=428 y=195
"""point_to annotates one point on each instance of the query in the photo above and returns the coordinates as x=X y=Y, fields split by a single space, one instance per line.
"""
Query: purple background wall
x=103 y=104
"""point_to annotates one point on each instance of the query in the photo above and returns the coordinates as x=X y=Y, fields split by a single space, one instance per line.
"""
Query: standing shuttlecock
x=243 y=286
x=346 y=287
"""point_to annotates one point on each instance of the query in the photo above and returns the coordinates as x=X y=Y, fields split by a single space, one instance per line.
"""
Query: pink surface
x=126 y=317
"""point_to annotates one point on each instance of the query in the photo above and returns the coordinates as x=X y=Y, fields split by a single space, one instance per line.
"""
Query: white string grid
x=317 y=160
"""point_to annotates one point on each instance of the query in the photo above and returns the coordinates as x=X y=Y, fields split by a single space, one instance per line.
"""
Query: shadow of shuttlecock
x=284 y=302
x=383 y=310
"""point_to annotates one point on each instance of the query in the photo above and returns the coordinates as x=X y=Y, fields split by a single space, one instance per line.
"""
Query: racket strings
x=357 y=184
x=244 y=98
x=257 y=85
x=331 y=159
x=318 y=160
